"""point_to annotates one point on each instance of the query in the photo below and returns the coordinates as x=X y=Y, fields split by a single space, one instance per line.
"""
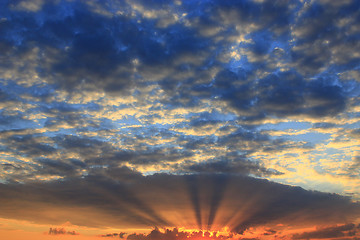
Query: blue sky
x=119 y=92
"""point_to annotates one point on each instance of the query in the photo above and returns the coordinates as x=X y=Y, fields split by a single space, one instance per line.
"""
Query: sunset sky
x=175 y=120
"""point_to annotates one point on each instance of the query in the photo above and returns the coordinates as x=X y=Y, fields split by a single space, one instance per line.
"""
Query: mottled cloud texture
x=206 y=115
x=61 y=231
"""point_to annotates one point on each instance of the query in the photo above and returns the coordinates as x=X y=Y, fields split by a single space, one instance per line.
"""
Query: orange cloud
x=175 y=234
x=341 y=231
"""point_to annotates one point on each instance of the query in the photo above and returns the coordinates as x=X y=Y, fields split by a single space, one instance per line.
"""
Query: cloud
x=178 y=235
x=126 y=52
x=229 y=166
x=133 y=200
x=281 y=95
x=162 y=55
x=119 y=235
x=68 y=155
x=354 y=167
x=175 y=234
x=329 y=232
x=319 y=33
x=61 y=231
x=99 y=97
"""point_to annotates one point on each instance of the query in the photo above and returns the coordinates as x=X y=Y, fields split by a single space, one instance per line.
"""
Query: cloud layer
x=128 y=112
x=206 y=201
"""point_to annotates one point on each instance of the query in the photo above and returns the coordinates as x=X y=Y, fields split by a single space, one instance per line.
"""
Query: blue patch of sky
x=313 y=138
x=242 y=63
x=16 y=124
x=353 y=115
x=11 y=87
x=40 y=90
x=128 y=120
x=105 y=123
x=214 y=115
x=121 y=106
x=351 y=87
x=285 y=125
x=328 y=151
x=355 y=125
x=60 y=132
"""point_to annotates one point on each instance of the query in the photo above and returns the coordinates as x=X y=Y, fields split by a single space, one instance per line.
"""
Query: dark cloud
x=355 y=133
x=262 y=43
x=263 y=14
x=136 y=200
x=73 y=155
x=282 y=94
x=61 y=231
x=324 y=125
x=8 y=166
x=206 y=118
x=119 y=235
x=68 y=167
x=85 y=50
x=54 y=155
x=8 y=120
x=78 y=66
x=329 y=232
x=243 y=142
x=5 y=97
x=320 y=36
x=229 y=166
x=269 y=232
x=29 y=145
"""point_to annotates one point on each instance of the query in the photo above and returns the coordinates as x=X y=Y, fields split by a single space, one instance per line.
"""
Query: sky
x=183 y=119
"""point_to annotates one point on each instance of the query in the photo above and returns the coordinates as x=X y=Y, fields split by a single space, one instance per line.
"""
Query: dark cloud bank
x=209 y=201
